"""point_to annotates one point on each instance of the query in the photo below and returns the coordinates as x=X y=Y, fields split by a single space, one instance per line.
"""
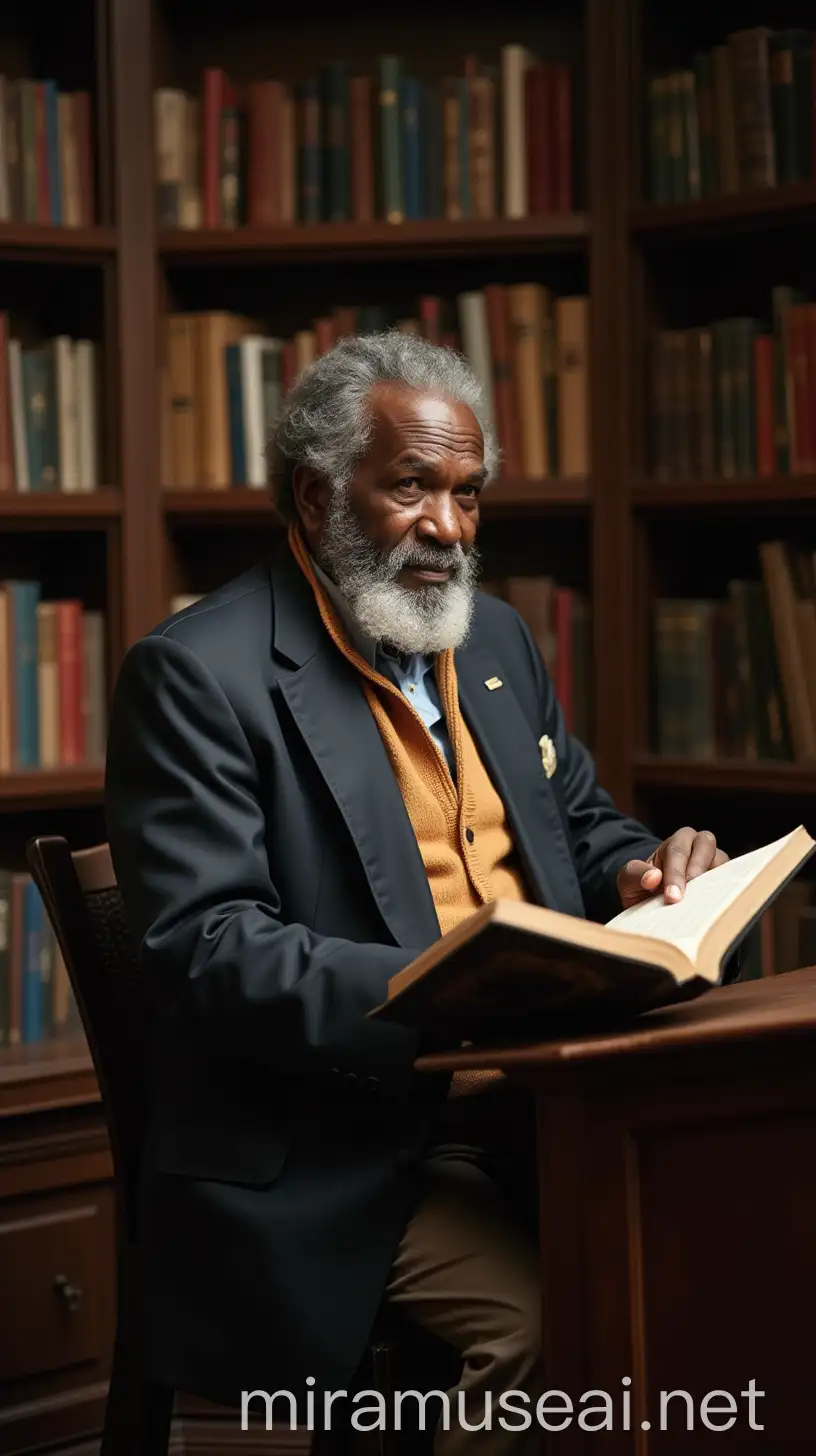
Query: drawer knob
x=68 y=1292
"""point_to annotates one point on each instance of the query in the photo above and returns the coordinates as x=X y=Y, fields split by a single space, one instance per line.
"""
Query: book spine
x=704 y=90
x=52 y=150
x=361 y=149
x=311 y=200
x=752 y=107
x=764 y=386
x=390 y=71
x=336 y=185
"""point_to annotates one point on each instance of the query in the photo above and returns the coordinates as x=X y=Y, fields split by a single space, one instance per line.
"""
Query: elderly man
x=309 y=781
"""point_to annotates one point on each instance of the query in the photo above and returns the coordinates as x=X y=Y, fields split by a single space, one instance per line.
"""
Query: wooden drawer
x=55 y=1278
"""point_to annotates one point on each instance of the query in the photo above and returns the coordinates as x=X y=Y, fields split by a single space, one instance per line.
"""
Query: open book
x=509 y=963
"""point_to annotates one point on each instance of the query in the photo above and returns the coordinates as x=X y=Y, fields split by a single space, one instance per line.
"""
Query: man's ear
x=311 y=494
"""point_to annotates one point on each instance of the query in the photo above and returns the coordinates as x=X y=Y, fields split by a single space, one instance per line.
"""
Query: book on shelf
x=735 y=677
x=37 y=1002
x=49 y=415
x=494 y=141
x=737 y=397
x=514 y=967
x=224 y=379
x=46 y=154
x=737 y=118
x=53 y=700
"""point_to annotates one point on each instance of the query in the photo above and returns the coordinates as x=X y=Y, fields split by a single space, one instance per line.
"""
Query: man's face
x=399 y=541
x=421 y=478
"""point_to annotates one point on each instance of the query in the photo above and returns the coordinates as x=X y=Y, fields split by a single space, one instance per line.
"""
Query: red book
x=764 y=402
x=85 y=151
x=361 y=149
x=70 y=677
x=560 y=82
x=430 y=317
x=539 y=142
x=798 y=366
x=345 y=322
x=41 y=147
x=264 y=171
x=214 y=83
x=563 y=652
x=504 y=389
x=324 y=335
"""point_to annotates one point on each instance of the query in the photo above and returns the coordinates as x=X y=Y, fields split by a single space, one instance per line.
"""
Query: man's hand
x=689 y=852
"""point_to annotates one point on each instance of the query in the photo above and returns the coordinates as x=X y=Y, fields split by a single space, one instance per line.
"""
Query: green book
x=709 y=158
x=790 y=63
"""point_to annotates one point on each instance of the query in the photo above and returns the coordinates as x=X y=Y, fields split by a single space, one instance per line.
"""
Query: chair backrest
x=84 y=905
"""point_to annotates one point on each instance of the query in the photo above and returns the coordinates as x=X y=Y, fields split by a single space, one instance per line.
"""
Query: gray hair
x=326 y=422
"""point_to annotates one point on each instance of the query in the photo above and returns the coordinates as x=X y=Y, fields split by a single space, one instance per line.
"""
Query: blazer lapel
x=510 y=751
x=329 y=707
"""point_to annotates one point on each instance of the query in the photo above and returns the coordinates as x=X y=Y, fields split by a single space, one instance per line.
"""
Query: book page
x=686 y=923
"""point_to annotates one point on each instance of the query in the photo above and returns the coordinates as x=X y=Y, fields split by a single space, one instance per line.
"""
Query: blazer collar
x=325 y=698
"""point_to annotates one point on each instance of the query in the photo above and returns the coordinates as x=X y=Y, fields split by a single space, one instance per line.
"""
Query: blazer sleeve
x=601 y=838
x=186 y=832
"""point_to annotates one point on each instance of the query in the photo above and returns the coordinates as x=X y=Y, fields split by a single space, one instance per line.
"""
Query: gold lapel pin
x=491 y=683
x=549 y=757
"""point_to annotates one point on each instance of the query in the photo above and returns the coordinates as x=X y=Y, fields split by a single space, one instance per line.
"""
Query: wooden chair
x=85 y=907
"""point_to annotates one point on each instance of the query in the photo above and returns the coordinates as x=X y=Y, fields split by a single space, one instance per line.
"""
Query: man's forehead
x=404 y=418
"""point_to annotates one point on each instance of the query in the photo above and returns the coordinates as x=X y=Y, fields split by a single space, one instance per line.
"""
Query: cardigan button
x=469 y=835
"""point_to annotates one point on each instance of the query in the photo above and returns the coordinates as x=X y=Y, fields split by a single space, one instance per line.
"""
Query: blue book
x=24 y=597
x=52 y=148
x=33 y=944
x=413 y=154
x=235 y=401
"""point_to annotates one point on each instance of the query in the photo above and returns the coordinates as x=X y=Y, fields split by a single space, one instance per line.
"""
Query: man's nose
x=440 y=522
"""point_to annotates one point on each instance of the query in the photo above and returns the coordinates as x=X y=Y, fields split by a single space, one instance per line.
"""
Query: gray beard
x=426 y=619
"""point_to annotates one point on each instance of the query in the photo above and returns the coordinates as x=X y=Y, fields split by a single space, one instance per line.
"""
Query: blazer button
x=350 y=1079
x=372 y=1084
x=469 y=835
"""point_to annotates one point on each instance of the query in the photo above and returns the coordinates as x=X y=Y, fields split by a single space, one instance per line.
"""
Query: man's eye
x=408 y=483
x=470 y=490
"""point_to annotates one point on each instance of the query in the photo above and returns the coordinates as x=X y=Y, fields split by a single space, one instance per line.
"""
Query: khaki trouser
x=467 y=1269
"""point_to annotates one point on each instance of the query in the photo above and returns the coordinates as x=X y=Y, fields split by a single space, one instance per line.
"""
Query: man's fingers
x=675 y=862
x=703 y=854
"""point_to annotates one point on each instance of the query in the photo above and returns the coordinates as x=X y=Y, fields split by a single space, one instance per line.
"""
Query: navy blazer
x=274 y=884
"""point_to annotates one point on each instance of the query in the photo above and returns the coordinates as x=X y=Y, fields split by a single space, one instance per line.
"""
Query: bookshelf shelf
x=504 y=497
x=746 y=492
x=60 y=508
x=55 y=788
x=725 y=775
x=64 y=1057
x=32 y=241
x=323 y=243
x=765 y=208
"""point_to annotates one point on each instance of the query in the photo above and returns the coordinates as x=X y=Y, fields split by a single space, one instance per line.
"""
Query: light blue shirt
x=414 y=675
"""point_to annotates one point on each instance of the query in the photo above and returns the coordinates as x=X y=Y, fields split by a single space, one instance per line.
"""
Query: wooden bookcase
x=132 y=545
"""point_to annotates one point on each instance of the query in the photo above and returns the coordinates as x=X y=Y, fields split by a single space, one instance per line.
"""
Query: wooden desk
x=677 y=1172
